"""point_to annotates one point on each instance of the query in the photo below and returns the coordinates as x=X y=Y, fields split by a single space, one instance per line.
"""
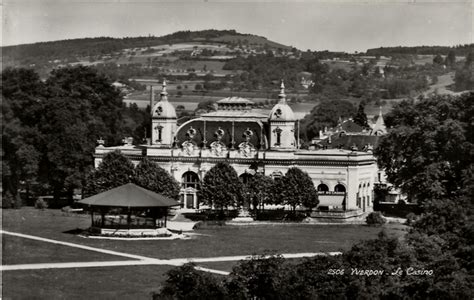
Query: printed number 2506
x=336 y=272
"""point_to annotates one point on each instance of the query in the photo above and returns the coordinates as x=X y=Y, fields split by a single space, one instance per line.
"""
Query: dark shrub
x=296 y=216
x=186 y=282
x=375 y=219
x=212 y=215
x=41 y=204
x=270 y=215
x=259 y=277
x=196 y=217
x=411 y=219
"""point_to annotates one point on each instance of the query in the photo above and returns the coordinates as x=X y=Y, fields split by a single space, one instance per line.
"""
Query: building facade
x=251 y=143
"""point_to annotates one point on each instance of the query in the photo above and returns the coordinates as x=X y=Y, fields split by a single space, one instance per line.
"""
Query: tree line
x=50 y=128
x=221 y=188
x=116 y=170
x=459 y=50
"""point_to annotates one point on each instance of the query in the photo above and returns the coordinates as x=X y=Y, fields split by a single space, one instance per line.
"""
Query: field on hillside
x=339 y=64
x=199 y=65
x=251 y=39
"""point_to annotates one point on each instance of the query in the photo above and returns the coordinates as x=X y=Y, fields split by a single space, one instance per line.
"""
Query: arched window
x=277 y=132
x=159 y=131
x=323 y=188
x=190 y=180
x=245 y=178
x=340 y=188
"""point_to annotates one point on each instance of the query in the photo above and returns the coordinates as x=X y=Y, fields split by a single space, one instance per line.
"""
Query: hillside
x=74 y=50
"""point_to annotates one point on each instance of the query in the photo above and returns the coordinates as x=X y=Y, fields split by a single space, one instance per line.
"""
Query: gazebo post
x=129 y=218
x=166 y=215
x=92 y=217
x=102 y=218
x=153 y=214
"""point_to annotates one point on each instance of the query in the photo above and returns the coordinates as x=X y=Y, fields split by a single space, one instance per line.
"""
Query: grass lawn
x=138 y=282
x=131 y=282
x=17 y=250
x=211 y=241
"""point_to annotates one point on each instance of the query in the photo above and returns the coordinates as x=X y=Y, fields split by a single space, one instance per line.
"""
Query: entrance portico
x=189 y=198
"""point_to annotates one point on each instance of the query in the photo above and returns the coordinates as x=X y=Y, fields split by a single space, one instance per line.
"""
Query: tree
x=185 y=282
x=114 y=170
x=260 y=190
x=450 y=60
x=259 y=277
x=154 y=178
x=434 y=166
x=68 y=144
x=438 y=60
x=361 y=118
x=82 y=106
x=23 y=95
x=428 y=148
x=136 y=123
x=221 y=187
x=297 y=188
x=50 y=128
x=208 y=105
x=464 y=77
x=327 y=113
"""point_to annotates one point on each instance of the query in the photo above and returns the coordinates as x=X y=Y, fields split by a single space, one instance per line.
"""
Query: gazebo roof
x=129 y=195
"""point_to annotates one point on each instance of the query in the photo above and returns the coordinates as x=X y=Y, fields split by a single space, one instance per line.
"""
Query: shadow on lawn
x=76 y=231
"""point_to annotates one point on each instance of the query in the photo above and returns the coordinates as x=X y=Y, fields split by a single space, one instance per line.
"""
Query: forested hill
x=71 y=50
x=460 y=50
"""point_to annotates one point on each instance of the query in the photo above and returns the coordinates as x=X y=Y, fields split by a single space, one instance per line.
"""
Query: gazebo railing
x=121 y=223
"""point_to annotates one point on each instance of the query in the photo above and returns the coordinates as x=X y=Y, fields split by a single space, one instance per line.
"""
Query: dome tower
x=163 y=120
x=282 y=124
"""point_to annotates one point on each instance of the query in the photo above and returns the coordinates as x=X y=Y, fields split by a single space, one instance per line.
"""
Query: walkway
x=138 y=259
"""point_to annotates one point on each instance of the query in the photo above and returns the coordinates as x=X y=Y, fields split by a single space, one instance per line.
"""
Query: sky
x=305 y=24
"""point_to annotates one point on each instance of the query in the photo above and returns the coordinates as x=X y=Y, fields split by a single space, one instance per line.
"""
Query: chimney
x=152 y=99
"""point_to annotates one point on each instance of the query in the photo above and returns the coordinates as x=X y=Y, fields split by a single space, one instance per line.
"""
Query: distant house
x=306 y=81
x=119 y=84
x=122 y=87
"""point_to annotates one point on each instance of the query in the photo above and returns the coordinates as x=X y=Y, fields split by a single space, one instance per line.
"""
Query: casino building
x=251 y=143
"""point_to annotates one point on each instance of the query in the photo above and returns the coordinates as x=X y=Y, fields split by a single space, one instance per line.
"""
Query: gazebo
x=128 y=200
